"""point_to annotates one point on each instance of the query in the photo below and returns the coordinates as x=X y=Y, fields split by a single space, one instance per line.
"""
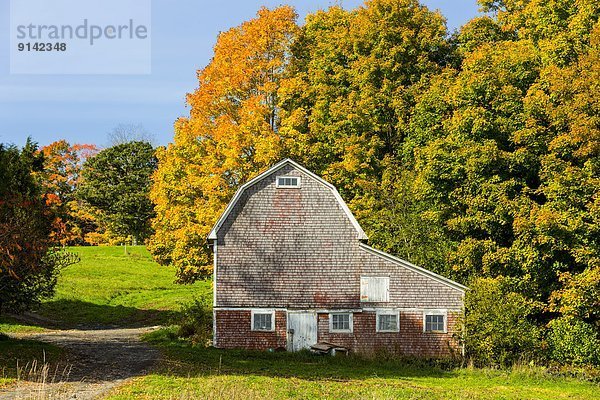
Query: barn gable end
x=281 y=168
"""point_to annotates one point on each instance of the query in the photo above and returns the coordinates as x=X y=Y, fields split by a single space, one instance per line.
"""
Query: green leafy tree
x=564 y=110
x=116 y=184
x=479 y=31
x=559 y=28
x=402 y=225
x=506 y=154
x=573 y=341
x=469 y=170
x=350 y=87
x=579 y=296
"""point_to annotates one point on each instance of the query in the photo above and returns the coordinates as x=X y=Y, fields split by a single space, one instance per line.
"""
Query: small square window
x=388 y=322
x=340 y=322
x=435 y=323
x=288 y=182
x=263 y=321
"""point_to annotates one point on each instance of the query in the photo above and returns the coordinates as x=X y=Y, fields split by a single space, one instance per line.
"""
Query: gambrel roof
x=360 y=234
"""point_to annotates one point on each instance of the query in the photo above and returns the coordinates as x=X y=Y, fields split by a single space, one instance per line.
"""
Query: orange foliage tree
x=230 y=135
x=29 y=264
x=59 y=179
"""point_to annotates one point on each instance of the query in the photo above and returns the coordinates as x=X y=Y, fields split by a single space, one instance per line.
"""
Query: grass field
x=109 y=287
x=9 y=325
x=193 y=372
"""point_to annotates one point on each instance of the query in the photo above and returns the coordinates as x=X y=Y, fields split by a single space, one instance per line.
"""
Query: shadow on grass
x=76 y=314
x=183 y=360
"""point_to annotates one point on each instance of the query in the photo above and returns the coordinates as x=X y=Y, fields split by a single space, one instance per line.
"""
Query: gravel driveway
x=97 y=361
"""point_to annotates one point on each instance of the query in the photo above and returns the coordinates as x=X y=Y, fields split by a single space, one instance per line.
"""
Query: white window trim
x=387 y=312
x=331 y=330
x=263 y=311
x=387 y=294
x=277 y=185
x=435 y=312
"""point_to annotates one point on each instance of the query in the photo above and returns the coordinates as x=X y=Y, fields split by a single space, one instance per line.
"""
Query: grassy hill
x=109 y=287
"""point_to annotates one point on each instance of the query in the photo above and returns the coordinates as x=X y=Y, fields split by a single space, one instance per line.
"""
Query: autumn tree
x=565 y=227
x=346 y=103
x=560 y=29
x=115 y=183
x=230 y=135
x=29 y=264
x=59 y=179
x=350 y=86
x=480 y=136
x=474 y=155
x=506 y=151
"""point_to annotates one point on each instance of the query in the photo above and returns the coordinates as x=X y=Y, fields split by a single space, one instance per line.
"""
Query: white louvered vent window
x=374 y=289
x=288 y=182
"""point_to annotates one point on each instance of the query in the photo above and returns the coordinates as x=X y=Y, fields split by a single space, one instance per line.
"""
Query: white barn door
x=302 y=330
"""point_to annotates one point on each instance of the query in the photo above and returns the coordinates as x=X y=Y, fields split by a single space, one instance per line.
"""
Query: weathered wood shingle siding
x=410 y=340
x=297 y=249
x=237 y=325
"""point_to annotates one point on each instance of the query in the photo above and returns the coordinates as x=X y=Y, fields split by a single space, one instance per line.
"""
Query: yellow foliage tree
x=229 y=136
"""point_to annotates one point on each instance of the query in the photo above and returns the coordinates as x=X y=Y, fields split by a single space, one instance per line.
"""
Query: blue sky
x=84 y=108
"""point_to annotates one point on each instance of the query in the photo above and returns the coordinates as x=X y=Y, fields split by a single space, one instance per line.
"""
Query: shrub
x=196 y=322
x=498 y=329
x=573 y=341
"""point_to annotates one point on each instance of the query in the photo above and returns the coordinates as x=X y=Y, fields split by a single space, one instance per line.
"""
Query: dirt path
x=97 y=361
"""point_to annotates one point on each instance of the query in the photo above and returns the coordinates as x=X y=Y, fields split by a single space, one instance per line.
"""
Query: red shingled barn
x=292 y=268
